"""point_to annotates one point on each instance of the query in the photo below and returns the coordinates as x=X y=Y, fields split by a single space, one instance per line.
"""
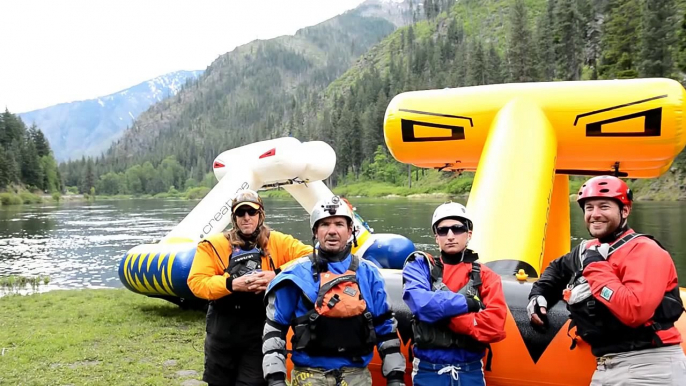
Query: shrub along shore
x=669 y=187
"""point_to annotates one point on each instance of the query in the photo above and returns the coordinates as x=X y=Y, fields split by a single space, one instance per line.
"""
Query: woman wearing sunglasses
x=458 y=305
x=232 y=270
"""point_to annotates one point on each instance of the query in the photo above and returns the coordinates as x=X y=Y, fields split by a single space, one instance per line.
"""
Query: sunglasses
x=240 y=212
x=457 y=230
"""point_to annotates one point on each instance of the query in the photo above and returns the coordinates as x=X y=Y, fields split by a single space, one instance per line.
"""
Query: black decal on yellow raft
x=617 y=107
x=408 y=131
x=652 y=125
x=471 y=124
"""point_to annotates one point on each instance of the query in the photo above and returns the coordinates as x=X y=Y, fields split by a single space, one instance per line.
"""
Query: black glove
x=276 y=379
x=591 y=256
x=395 y=378
x=474 y=305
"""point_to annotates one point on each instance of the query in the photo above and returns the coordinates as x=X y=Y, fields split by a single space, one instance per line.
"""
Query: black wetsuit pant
x=239 y=367
x=233 y=350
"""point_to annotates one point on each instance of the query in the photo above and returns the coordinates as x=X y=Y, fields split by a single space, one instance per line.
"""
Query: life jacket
x=242 y=304
x=339 y=323
x=606 y=334
x=242 y=262
x=439 y=335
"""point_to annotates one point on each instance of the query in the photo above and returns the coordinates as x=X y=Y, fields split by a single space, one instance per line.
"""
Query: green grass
x=98 y=337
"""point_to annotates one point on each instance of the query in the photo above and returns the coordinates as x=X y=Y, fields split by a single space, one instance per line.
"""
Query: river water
x=80 y=244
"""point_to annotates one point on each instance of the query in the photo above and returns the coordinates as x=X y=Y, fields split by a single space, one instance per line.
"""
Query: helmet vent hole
x=602 y=183
x=604 y=190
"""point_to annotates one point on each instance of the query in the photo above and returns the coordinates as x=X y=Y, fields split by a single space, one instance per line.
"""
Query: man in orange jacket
x=622 y=292
x=232 y=270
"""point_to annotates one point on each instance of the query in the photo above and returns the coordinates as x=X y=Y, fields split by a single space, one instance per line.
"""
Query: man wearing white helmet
x=336 y=304
x=458 y=305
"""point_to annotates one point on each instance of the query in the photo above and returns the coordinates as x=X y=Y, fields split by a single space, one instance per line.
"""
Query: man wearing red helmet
x=622 y=293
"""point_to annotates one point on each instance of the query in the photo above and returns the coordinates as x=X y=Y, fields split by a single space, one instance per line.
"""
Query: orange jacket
x=207 y=279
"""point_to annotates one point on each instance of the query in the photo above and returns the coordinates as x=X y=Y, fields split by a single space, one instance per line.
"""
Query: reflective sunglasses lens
x=240 y=212
x=457 y=230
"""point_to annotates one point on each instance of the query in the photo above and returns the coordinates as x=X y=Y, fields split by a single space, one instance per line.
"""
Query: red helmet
x=605 y=186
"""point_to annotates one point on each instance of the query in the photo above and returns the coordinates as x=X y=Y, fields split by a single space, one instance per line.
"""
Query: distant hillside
x=247 y=92
x=89 y=127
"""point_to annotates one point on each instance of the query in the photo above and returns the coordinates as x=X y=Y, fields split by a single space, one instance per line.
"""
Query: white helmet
x=451 y=210
x=330 y=207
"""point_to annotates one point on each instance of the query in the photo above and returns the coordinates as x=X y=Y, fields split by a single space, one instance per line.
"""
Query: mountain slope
x=89 y=127
x=246 y=93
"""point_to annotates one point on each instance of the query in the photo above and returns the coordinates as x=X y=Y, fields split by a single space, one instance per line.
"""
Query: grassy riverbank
x=98 y=337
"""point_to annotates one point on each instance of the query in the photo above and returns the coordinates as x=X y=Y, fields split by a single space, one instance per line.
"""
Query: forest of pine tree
x=25 y=157
x=540 y=40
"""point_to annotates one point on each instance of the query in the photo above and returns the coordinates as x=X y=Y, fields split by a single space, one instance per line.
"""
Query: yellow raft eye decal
x=646 y=123
x=431 y=131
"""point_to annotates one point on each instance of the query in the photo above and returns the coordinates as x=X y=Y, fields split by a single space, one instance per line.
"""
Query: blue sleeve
x=427 y=305
x=286 y=302
x=380 y=305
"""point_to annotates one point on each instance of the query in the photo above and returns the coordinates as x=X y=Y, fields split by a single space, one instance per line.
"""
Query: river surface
x=80 y=244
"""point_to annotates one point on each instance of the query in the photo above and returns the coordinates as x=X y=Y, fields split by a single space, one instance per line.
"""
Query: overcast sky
x=56 y=51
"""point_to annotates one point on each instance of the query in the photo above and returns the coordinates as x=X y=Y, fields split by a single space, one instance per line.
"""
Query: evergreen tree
x=476 y=74
x=591 y=18
x=520 y=54
x=12 y=165
x=4 y=169
x=619 y=41
x=493 y=73
x=13 y=130
x=31 y=170
x=681 y=49
x=545 y=44
x=88 y=179
x=567 y=41
x=42 y=146
x=658 y=35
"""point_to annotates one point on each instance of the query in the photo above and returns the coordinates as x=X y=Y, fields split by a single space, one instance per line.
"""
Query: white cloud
x=62 y=51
